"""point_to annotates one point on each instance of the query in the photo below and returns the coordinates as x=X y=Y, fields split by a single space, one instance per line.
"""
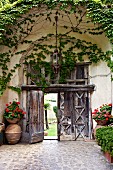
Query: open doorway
x=50 y=116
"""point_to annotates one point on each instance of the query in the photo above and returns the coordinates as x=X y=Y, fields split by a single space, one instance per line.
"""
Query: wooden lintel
x=59 y=88
x=83 y=63
x=77 y=80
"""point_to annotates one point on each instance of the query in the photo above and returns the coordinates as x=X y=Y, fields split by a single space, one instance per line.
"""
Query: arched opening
x=73 y=38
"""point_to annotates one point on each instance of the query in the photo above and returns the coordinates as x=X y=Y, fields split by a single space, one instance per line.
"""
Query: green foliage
x=52 y=131
x=100 y=12
x=17 y=89
x=55 y=109
x=46 y=106
x=104 y=137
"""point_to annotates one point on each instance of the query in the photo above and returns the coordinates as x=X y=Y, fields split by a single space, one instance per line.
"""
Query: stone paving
x=53 y=155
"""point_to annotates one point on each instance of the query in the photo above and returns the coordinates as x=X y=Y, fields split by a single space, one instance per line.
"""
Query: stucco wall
x=100 y=76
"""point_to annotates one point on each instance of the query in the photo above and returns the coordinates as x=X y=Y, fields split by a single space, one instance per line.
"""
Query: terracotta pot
x=101 y=122
x=108 y=157
x=13 y=133
x=12 y=121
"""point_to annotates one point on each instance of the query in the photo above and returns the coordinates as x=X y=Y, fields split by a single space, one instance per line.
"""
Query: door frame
x=56 y=88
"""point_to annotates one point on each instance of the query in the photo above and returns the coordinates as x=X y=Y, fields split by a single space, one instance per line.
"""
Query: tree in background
x=55 y=109
x=46 y=107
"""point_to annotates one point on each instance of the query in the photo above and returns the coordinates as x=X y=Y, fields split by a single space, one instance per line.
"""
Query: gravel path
x=53 y=155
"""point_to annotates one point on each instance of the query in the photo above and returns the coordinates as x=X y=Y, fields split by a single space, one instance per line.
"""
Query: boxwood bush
x=104 y=137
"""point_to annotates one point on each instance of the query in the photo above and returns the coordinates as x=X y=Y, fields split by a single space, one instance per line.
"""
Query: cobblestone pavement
x=53 y=155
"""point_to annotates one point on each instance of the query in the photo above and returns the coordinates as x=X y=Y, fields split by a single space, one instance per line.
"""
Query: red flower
x=107 y=118
x=17 y=109
x=7 y=110
x=96 y=110
x=110 y=104
x=17 y=102
x=13 y=114
x=20 y=110
x=23 y=113
x=7 y=105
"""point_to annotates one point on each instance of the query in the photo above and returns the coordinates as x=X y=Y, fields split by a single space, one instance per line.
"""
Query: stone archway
x=41 y=32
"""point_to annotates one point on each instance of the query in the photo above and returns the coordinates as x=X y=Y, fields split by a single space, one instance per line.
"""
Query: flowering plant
x=103 y=113
x=13 y=110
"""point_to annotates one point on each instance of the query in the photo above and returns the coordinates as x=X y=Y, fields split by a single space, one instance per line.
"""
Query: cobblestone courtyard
x=53 y=155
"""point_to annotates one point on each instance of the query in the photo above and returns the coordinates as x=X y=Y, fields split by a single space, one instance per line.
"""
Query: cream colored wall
x=100 y=76
x=3 y=101
x=99 y=73
x=9 y=95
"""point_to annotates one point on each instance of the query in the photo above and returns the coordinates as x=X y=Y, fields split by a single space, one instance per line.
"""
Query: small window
x=80 y=72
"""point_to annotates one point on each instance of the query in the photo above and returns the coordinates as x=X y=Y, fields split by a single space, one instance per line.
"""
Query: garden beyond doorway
x=50 y=116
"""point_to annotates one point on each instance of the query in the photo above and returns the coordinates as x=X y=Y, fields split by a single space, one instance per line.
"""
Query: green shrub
x=104 y=137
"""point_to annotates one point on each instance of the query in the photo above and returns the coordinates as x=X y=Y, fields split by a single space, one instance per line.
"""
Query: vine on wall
x=15 y=27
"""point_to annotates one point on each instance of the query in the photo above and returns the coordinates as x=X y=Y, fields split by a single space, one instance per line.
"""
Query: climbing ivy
x=14 y=15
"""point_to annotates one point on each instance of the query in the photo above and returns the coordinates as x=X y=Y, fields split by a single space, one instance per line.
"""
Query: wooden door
x=65 y=116
x=81 y=118
x=73 y=115
x=36 y=122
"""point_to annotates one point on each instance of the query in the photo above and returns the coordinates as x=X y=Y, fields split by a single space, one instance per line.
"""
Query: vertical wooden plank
x=90 y=119
x=86 y=114
x=72 y=110
x=58 y=117
x=67 y=104
x=24 y=122
x=36 y=125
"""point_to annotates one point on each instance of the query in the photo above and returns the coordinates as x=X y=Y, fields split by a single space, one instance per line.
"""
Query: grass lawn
x=52 y=131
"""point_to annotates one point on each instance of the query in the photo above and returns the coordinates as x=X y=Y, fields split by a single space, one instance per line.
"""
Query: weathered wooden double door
x=74 y=117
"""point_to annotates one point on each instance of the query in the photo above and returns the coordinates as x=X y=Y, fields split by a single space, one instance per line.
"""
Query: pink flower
x=105 y=115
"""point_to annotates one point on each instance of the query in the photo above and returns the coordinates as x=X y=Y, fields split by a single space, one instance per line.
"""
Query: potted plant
x=13 y=113
x=102 y=115
x=104 y=137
